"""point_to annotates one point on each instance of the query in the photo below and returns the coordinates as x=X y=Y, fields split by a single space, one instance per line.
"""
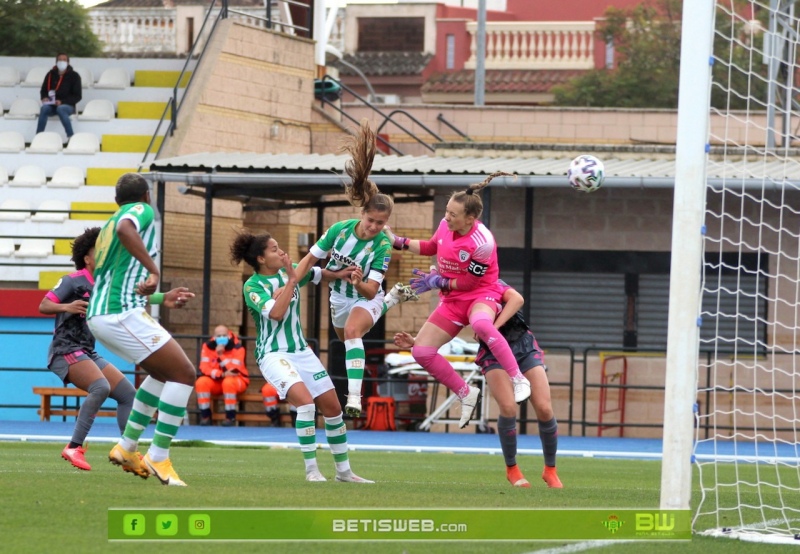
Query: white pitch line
x=575 y=547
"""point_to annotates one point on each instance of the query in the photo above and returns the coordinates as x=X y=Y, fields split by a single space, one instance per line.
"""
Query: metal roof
x=323 y=174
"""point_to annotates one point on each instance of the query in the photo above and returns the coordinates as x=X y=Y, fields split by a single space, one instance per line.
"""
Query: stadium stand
x=8 y=206
x=9 y=76
x=98 y=109
x=46 y=143
x=29 y=176
x=87 y=79
x=114 y=77
x=67 y=177
x=35 y=77
x=6 y=248
x=83 y=143
x=11 y=141
x=114 y=124
x=34 y=248
x=55 y=211
x=24 y=108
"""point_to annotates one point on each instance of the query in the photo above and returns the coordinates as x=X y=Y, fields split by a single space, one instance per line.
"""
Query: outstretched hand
x=403 y=340
x=423 y=282
x=177 y=297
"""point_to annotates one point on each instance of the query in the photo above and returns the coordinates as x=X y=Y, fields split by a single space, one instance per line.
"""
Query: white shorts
x=133 y=335
x=283 y=370
x=341 y=307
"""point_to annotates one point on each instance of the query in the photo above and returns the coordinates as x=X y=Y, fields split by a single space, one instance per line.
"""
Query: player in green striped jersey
x=272 y=296
x=358 y=301
x=124 y=273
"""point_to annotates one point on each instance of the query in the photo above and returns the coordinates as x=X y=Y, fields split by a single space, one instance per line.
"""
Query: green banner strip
x=445 y=524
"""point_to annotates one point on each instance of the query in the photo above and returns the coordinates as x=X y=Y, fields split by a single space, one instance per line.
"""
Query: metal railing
x=384 y=117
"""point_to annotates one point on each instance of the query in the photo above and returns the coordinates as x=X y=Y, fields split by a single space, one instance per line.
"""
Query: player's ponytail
x=362 y=192
x=471 y=198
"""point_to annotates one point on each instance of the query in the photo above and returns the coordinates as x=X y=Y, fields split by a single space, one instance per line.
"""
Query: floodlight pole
x=687 y=250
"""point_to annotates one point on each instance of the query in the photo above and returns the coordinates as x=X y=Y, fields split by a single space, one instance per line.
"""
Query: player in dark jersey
x=72 y=356
x=530 y=357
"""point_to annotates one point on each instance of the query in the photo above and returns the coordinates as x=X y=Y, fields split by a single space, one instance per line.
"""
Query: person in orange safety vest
x=222 y=362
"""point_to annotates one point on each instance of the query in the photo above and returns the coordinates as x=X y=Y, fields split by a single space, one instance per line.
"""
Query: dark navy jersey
x=71 y=332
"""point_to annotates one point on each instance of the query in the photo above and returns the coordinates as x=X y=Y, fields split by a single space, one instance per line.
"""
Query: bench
x=46 y=411
x=243 y=415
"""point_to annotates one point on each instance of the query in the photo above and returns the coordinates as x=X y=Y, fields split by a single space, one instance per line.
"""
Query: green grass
x=50 y=507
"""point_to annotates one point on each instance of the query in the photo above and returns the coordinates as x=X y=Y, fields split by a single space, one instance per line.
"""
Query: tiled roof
x=499 y=81
x=386 y=63
x=171 y=3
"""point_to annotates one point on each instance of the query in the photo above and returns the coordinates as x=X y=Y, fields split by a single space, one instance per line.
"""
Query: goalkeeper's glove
x=423 y=282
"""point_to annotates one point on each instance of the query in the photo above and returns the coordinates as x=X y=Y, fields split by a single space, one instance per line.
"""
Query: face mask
x=62 y=66
x=222 y=341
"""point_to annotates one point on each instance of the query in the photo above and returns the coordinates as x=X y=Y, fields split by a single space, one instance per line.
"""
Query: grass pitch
x=48 y=506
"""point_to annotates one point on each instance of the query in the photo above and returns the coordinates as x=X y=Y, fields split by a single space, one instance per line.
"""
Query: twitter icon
x=166 y=525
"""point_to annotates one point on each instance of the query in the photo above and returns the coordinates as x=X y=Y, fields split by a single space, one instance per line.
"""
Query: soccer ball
x=586 y=173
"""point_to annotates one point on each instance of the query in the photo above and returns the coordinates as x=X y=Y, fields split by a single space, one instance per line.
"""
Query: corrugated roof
x=309 y=177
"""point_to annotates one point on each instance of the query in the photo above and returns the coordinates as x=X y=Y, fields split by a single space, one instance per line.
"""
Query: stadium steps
x=141 y=110
x=95 y=210
x=129 y=143
x=151 y=78
x=105 y=176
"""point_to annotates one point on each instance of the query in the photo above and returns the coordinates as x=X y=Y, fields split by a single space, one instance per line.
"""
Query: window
x=450 y=60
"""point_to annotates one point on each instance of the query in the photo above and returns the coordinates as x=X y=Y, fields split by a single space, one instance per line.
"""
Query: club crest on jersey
x=254 y=298
x=463 y=255
x=342 y=234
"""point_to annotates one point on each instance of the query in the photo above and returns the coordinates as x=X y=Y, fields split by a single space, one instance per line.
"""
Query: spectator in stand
x=270 y=395
x=60 y=94
x=223 y=372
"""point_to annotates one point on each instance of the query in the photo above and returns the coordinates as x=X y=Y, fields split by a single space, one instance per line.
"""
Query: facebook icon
x=133 y=524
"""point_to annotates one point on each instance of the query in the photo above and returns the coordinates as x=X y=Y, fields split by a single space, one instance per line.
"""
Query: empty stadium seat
x=9 y=76
x=11 y=141
x=28 y=176
x=24 y=108
x=3 y=175
x=34 y=248
x=46 y=143
x=98 y=109
x=67 y=177
x=35 y=77
x=14 y=204
x=83 y=143
x=6 y=248
x=87 y=79
x=113 y=77
x=50 y=206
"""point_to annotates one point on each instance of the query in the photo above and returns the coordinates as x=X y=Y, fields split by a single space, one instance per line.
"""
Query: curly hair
x=248 y=247
x=361 y=191
x=470 y=198
x=82 y=244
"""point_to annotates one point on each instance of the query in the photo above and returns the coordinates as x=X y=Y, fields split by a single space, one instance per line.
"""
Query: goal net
x=747 y=450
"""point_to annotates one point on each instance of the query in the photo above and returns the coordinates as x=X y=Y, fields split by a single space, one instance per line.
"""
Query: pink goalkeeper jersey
x=467 y=258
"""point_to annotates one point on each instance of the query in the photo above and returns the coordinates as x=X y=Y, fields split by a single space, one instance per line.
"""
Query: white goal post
x=732 y=405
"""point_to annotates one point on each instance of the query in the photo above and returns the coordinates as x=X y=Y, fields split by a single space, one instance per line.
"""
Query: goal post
x=686 y=260
x=732 y=400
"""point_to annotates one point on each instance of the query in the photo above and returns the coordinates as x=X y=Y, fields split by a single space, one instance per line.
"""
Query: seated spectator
x=270 y=395
x=60 y=94
x=223 y=372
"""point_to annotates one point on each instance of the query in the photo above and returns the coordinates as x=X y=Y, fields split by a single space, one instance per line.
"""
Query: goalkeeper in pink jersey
x=511 y=323
x=466 y=254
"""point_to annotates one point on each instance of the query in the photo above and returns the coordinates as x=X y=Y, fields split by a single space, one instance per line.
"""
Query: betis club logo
x=613 y=524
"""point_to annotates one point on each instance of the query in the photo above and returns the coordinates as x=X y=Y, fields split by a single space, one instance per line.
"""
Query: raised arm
x=512 y=303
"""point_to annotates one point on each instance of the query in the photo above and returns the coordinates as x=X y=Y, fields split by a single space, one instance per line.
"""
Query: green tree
x=45 y=28
x=647 y=40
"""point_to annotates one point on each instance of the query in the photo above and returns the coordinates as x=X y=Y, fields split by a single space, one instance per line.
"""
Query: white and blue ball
x=586 y=173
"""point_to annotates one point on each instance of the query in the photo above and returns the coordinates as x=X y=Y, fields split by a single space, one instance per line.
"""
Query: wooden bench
x=242 y=414
x=46 y=410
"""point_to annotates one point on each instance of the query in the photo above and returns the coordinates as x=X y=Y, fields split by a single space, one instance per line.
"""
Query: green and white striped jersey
x=346 y=249
x=285 y=335
x=117 y=273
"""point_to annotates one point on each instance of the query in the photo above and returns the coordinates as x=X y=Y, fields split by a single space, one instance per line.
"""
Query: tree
x=45 y=28
x=647 y=40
